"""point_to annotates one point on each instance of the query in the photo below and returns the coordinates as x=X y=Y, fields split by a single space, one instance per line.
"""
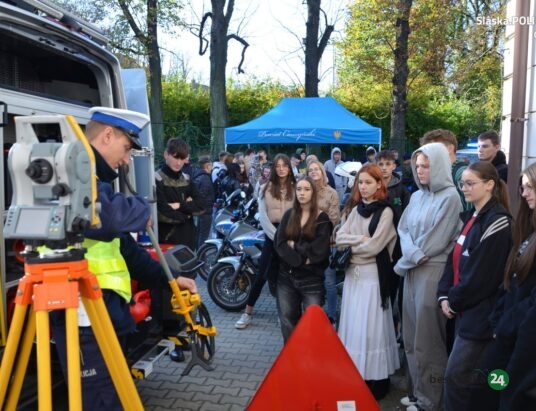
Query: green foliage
x=455 y=66
x=253 y=98
x=187 y=107
x=186 y=113
x=460 y=116
x=455 y=69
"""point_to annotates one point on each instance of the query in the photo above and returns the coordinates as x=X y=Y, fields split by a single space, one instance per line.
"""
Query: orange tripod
x=55 y=284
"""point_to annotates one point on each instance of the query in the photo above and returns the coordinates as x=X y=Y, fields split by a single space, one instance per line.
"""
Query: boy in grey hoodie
x=330 y=165
x=428 y=230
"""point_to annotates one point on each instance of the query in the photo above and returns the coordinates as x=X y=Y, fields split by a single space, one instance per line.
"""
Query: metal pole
x=519 y=81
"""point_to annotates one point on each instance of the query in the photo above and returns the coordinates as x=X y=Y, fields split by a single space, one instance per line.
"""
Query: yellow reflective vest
x=106 y=262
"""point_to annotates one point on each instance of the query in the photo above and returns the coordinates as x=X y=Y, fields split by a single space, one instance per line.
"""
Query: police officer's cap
x=131 y=122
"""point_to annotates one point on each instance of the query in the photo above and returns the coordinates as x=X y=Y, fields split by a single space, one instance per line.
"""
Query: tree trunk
x=311 y=49
x=155 y=80
x=219 y=114
x=400 y=78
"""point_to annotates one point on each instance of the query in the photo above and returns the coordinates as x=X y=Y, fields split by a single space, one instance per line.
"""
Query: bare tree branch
x=245 y=46
x=202 y=40
x=132 y=22
x=325 y=39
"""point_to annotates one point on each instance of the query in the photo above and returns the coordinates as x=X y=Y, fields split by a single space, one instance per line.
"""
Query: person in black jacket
x=177 y=201
x=236 y=181
x=203 y=182
x=469 y=286
x=514 y=311
x=489 y=149
x=302 y=243
x=177 y=198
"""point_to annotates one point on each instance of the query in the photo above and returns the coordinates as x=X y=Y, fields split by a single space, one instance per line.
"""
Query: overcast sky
x=273 y=29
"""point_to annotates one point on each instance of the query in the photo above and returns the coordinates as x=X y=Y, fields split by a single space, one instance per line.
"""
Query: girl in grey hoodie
x=427 y=229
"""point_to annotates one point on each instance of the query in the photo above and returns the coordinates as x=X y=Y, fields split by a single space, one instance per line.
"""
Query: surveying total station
x=54 y=202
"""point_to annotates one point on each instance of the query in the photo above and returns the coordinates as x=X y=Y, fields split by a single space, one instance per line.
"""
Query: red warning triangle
x=313 y=372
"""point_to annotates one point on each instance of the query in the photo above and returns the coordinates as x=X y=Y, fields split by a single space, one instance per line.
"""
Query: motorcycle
x=240 y=222
x=230 y=281
x=226 y=207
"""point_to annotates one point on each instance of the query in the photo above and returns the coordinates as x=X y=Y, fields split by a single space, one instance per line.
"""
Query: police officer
x=112 y=254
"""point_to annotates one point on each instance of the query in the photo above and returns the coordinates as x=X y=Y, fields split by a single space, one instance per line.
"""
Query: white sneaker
x=243 y=322
x=408 y=400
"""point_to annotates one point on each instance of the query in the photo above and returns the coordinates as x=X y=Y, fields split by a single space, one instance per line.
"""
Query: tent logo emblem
x=337 y=134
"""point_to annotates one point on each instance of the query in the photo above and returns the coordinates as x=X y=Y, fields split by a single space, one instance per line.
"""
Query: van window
x=29 y=67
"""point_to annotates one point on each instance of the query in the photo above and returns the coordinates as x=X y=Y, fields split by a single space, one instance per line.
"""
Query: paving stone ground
x=242 y=360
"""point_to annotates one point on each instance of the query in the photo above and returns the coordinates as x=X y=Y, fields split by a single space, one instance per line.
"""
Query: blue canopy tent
x=310 y=120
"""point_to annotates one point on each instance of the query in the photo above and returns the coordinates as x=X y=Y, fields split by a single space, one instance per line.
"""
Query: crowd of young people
x=443 y=250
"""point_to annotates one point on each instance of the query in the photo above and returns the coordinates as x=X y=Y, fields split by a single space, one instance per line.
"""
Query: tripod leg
x=21 y=365
x=44 y=369
x=112 y=353
x=10 y=351
x=73 y=359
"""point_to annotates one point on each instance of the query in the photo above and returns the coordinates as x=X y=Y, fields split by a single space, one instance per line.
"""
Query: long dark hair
x=274 y=184
x=355 y=197
x=524 y=227
x=487 y=172
x=294 y=229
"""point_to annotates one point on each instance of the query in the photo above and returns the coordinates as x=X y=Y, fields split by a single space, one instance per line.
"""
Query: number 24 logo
x=498 y=379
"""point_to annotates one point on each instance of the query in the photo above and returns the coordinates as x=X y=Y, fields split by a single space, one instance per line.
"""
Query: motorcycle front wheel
x=228 y=290
x=207 y=253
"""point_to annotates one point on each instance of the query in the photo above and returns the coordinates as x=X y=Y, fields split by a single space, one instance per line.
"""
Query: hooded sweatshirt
x=499 y=161
x=430 y=223
x=330 y=166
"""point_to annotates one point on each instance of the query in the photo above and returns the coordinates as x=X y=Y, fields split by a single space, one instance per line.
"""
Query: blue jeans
x=330 y=282
x=462 y=374
x=295 y=294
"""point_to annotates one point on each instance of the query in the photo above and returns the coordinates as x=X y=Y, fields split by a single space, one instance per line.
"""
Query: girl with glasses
x=469 y=286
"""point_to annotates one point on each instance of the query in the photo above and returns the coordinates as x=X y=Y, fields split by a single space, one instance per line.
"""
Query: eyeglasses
x=469 y=184
x=523 y=189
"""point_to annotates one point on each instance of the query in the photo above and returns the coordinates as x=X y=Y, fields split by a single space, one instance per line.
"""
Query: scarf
x=383 y=259
x=366 y=210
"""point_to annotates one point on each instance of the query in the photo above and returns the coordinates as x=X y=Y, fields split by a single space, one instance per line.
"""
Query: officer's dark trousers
x=98 y=391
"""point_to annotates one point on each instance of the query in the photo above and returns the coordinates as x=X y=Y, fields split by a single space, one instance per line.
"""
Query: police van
x=469 y=153
x=52 y=62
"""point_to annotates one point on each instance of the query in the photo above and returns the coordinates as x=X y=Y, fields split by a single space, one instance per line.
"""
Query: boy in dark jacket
x=177 y=198
x=398 y=193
